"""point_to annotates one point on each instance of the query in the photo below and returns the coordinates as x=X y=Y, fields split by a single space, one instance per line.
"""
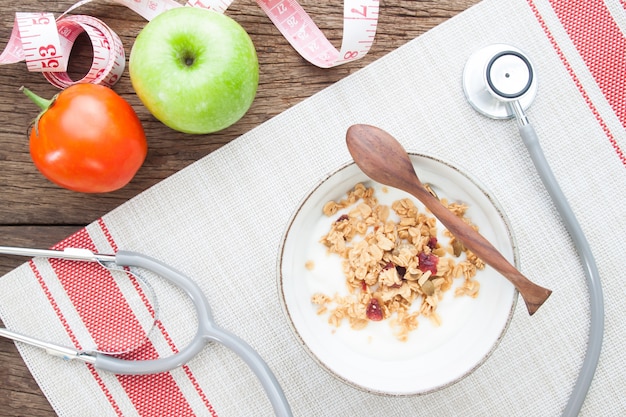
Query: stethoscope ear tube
x=207 y=331
x=203 y=313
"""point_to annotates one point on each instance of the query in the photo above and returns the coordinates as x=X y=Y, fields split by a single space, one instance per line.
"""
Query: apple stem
x=43 y=103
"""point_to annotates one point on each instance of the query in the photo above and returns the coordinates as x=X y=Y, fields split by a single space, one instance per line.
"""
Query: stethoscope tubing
x=207 y=331
x=596 y=299
x=483 y=99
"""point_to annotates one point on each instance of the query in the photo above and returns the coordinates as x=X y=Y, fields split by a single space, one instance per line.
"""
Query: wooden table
x=36 y=213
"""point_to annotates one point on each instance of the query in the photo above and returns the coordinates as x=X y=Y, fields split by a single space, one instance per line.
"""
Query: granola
x=395 y=267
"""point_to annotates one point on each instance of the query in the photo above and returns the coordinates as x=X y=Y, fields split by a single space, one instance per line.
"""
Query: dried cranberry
x=342 y=218
x=428 y=262
x=363 y=286
x=388 y=266
x=374 y=312
x=401 y=271
x=432 y=242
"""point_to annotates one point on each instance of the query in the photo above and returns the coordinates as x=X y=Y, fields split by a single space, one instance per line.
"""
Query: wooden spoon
x=382 y=158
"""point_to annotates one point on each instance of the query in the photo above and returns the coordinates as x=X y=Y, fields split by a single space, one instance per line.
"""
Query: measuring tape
x=360 y=18
x=45 y=43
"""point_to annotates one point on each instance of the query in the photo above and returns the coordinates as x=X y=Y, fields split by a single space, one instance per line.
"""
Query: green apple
x=194 y=69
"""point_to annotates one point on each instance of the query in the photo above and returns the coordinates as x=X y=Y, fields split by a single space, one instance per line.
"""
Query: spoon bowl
x=382 y=158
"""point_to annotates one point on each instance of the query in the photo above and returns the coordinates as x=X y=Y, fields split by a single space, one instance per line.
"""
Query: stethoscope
x=499 y=82
x=207 y=330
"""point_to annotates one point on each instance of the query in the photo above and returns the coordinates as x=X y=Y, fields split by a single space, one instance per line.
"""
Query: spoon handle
x=534 y=295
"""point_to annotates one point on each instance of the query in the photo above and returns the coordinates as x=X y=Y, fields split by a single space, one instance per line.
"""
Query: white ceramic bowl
x=372 y=359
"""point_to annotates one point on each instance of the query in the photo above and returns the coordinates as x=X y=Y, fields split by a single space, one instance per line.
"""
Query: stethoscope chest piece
x=496 y=75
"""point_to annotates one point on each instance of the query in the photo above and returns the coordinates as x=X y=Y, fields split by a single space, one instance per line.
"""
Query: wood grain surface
x=37 y=213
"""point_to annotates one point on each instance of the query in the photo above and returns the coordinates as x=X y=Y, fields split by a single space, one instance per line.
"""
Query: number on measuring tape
x=45 y=43
x=39 y=42
x=360 y=19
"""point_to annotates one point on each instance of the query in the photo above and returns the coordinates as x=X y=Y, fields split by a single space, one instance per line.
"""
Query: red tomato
x=89 y=139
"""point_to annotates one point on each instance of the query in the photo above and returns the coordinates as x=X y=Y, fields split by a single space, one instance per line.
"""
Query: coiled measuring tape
x=45 y=43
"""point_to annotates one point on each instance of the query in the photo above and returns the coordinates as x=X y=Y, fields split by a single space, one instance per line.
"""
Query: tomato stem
x=43 y=103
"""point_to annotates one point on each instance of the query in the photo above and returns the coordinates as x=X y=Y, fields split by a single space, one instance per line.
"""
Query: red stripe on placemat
x=600 y=43
x=164 y=332
x=576 y=80
x=72 y=336
x=151 y=395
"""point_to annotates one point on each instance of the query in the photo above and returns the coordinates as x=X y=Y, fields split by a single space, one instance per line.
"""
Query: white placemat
x=221 y=220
